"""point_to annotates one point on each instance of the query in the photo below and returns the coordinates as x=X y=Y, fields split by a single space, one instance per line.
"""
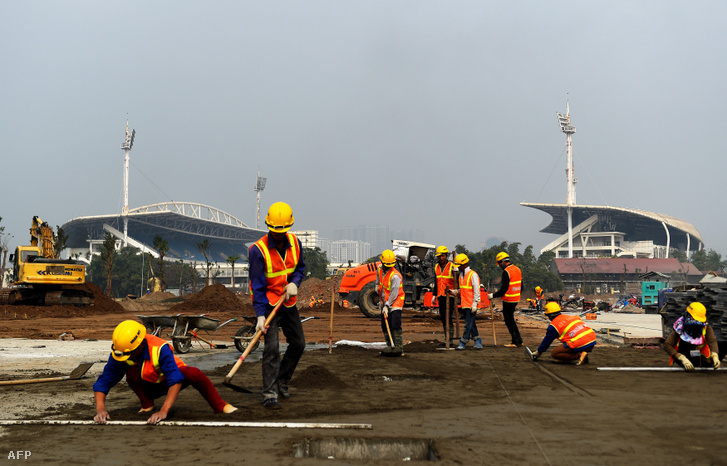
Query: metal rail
x=262 y=425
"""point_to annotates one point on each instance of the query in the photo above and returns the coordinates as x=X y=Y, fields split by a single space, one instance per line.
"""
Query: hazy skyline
x=420 y=115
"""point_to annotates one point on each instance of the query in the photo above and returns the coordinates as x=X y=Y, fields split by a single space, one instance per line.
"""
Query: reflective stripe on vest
x=703 y=348
x=445 y=278
x=150 y=369
x=466 y=292
x=573 y=331
x=385 y=287
x=279 y=268
x=512 y=295
x=539 y=295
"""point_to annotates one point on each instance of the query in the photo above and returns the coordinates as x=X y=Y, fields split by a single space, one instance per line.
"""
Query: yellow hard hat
x=279 y=218
x=388 y=258
x=441 y=250
x=698 y=311
x=552 y=307
x=461 y=259
x=538 y=289
x=127 y=336
x=502 y=256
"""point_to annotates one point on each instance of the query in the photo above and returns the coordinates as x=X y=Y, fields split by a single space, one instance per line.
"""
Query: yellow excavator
x=40 y=278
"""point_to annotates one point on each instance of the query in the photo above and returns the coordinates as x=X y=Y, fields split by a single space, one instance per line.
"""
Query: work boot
x=398 y=336
x=283 y=391
x=478 y=343
x=229 y=409
x=271 y=403
x=462 y=345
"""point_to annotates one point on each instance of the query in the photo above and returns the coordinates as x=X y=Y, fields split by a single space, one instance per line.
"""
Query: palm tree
x=231 y=260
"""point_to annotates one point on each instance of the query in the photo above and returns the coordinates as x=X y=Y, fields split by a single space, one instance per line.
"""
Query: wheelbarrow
x=156 y=324
x=186 y=329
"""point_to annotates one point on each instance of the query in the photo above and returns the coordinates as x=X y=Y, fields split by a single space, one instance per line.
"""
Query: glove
x=536 y=355
x=385 y=311
x=490 y=296
x=715 y=361
x=260 y=324
x=474 y=309
x=688 y=366
x=291 y=289
x=435 y=301
x=454 y=292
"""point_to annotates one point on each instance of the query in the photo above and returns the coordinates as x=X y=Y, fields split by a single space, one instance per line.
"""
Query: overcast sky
x=431 y=115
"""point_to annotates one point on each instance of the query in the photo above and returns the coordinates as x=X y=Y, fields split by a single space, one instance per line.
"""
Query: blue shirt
x=115 y=370
x=258 y=283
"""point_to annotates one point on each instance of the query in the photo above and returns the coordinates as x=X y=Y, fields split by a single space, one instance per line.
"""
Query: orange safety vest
x=512 y=295
x=466 y=292
x=540 y=294
x=385 y=287
x=573 y=331
x=445 y=278
x=279 y=268
x=703 y=348
x=150 y=370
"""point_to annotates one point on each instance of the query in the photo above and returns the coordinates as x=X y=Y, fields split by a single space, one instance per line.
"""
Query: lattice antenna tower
x=259 y=187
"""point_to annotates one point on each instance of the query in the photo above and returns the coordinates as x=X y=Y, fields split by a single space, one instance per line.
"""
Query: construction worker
x=469 y=293
x=510 y=293
x=390 y=286
x=539 y=296
x=152 y=371
x=692 y=342
x=578 y=339
x=276 y=270
x=444 y=272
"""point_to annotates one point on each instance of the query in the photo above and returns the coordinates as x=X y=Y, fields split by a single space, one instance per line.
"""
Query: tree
x=708 y=261
x=60 y=239
x=108 y=254
x=162 y=248
x=231 y=260
x=204 y=249
x=316 y=262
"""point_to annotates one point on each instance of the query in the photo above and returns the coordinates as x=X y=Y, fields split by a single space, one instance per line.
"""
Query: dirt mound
x=316 y=376
x=158 y=296
x=212 y=299
x=102 y=304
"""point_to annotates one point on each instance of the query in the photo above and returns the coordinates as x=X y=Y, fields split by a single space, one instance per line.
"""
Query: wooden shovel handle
x=254 y=340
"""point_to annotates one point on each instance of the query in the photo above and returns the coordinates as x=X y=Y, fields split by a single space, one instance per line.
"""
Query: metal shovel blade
x=529 y=353
x=235 y=387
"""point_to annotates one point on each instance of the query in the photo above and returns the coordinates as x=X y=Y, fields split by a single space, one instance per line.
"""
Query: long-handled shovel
x=492 y=317
x=250 y=347
x=76 y=373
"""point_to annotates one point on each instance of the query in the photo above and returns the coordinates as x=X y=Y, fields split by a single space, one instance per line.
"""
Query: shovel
x=76 y=373
x=250 y=347
x=529 y=353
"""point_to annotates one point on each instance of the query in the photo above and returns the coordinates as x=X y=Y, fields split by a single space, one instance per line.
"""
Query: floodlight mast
x=126 y=146
x=259 y=187
x=565 y=126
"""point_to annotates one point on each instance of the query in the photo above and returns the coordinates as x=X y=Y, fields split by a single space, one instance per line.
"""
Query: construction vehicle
x=39 y=278
x=414 y=260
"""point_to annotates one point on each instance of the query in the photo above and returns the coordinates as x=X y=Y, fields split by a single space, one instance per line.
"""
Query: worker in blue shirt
x=276 y=271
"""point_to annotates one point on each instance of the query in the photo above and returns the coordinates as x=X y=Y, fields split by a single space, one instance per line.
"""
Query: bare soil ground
x=493 y=406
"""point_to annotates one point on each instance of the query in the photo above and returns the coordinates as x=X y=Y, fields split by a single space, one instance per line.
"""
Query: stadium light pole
x=259 y=187
x=126 y=146
x=565 y=127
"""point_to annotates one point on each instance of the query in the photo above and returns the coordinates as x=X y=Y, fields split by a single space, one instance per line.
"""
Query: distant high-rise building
x=378 y=236
x=343 y=251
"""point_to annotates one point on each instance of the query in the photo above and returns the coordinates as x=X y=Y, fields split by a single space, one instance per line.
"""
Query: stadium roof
x=638 y=225
x=181 y=224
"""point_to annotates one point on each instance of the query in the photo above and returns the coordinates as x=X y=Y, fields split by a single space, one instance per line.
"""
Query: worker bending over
x=152 y=371
x=578 y=339
x=469 y=293
x=390 y=286
x=692 y=342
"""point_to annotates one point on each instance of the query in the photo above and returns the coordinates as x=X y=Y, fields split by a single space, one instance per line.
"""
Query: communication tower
x=565 y=126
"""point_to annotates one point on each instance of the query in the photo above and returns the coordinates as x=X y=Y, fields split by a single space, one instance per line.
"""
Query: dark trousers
x=508 y=312
x=276 y=370
x=394 y=322
x=443 y=312
x=148 y=391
